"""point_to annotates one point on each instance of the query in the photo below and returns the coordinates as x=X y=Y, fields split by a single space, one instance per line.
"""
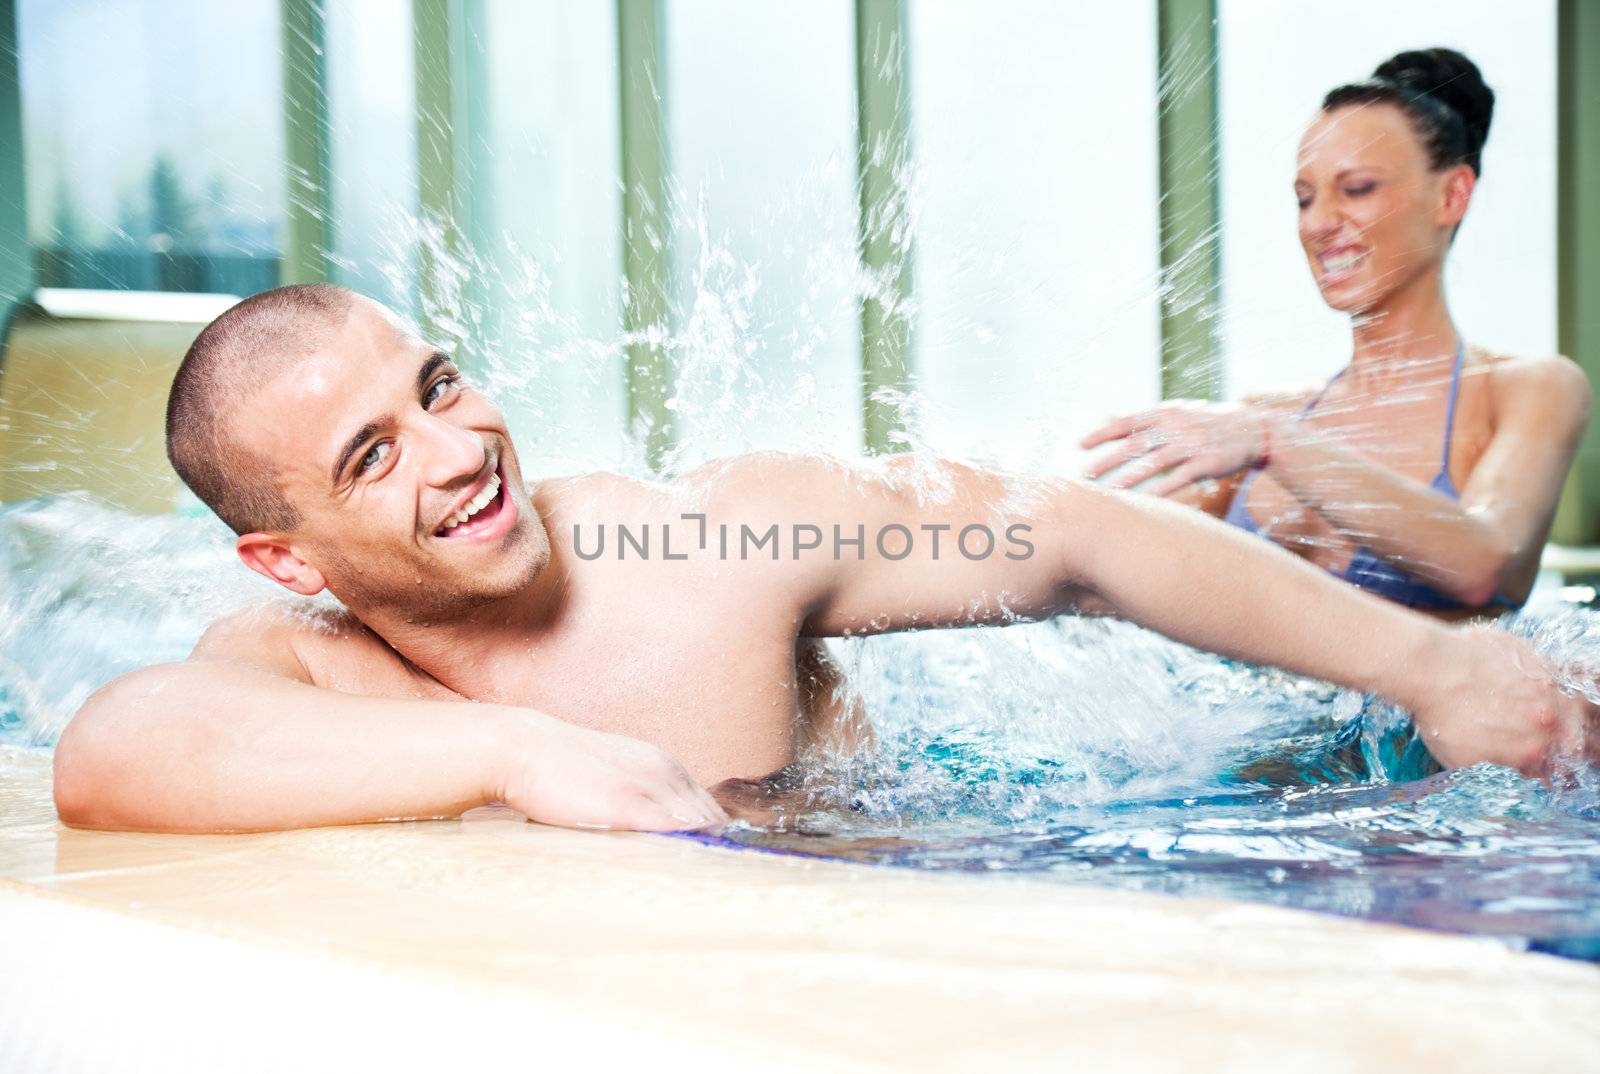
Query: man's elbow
x=91 y=753
x=78 y=801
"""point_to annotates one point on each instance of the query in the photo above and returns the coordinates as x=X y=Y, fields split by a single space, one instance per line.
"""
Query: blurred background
x=664 y=230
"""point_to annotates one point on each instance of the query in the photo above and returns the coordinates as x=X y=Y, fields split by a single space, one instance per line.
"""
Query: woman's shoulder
x=1551 y=384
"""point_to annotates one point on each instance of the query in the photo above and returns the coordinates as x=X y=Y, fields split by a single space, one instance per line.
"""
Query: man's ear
x=270 y=557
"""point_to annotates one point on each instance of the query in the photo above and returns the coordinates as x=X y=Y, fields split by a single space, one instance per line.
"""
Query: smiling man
x=494 y=648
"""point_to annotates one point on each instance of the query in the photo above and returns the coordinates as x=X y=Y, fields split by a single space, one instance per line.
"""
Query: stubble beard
x=425 y=599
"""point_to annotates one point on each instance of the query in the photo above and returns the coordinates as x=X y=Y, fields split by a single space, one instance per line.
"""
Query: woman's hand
x=558 y=773
x=1194 y=441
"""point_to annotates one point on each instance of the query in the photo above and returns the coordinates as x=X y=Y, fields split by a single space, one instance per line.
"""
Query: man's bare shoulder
x=308 y=641
x=713 y=512
x=726 y=485
x=581 y=494
x=774 y=482
x=758 y=468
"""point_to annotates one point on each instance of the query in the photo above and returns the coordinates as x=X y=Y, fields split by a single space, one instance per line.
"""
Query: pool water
x=1254 y=785
x=1080 y=751
x=1476 y=851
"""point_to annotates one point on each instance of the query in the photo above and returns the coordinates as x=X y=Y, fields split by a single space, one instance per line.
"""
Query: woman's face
x=1374 y=217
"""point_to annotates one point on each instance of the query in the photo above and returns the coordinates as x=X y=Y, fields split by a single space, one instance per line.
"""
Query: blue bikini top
x=1367 y=570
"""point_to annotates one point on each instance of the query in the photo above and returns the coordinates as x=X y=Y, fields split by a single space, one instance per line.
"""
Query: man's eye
x=440 y=388
x=375 y=455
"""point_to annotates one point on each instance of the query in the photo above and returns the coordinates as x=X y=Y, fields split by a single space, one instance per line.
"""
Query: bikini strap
x=1315 y=399
x=1450 y=405
x=1244 y=486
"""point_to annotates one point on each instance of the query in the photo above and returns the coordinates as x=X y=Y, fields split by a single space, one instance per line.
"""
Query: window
x=760 y=112
x=372 y=147
x=1036 y=253
x=545 y=162
x=154 y=158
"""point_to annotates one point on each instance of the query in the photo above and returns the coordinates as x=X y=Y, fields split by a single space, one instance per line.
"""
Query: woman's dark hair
x=1441 y=92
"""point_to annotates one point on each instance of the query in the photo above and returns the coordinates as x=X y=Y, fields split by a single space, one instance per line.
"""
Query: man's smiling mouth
x=478 y=514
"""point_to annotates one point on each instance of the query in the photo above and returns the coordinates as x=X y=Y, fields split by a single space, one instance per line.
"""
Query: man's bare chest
x=718 y=691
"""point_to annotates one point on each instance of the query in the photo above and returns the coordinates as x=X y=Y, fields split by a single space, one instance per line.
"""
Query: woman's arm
x=1486 y=543
x=1489 y=541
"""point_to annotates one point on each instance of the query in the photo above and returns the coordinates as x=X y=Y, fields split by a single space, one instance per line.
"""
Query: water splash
x=88 y=593
x=1099 y=753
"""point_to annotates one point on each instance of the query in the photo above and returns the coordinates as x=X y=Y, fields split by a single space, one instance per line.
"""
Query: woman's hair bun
x=1450 y=78
x=1444 y=95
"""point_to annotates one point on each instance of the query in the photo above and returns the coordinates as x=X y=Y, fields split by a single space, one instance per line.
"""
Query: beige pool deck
x=443 y=945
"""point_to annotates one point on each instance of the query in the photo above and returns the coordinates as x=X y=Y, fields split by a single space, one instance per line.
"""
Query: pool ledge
x=402 y=946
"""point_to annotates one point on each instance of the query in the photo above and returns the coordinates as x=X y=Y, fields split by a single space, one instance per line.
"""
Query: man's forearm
x=1206 y=584
x=214 y=746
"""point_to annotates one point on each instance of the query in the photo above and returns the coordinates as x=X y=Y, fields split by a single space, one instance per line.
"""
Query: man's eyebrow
x=371 y=428
x=352 y=445
x=435 y=360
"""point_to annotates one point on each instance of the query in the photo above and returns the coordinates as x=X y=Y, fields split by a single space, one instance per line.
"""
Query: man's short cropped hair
x=235 y=354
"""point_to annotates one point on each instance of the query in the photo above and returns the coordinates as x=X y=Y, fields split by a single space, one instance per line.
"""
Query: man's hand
x=557 y=773
x=1194 y=441
x=1495 y=700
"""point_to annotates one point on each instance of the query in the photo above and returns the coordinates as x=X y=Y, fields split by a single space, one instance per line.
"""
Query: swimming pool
x=1089 y=752
x=1079 y=751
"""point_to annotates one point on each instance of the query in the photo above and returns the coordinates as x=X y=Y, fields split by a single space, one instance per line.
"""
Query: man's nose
x=450 y=453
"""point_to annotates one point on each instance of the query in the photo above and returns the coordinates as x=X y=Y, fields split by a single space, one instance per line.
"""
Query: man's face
x=383 y=449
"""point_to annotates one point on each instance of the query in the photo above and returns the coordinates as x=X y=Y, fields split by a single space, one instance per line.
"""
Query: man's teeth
x=477 y=503
x=1341 y=262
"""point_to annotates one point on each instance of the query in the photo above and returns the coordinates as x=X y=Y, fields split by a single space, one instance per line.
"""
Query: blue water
x=1477 y=851
x=1280 y=790
x=1074 y=751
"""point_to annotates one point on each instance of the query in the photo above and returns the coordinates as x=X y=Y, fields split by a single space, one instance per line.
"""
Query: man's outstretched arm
x=1477 y=695
x=222 y=744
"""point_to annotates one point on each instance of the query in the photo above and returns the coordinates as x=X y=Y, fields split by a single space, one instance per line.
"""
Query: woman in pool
x=1428 y=470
